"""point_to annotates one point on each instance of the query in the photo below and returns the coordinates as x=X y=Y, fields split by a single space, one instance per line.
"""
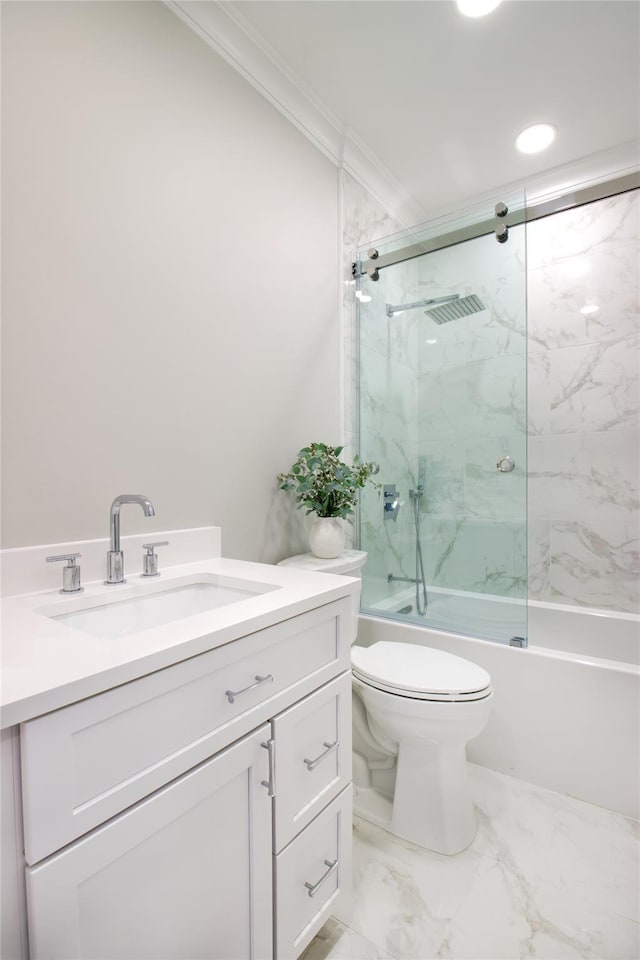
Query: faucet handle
x=70 y=573
x=150 y=560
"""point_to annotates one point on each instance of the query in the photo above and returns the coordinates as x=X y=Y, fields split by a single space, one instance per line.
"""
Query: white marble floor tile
x=547 y=877
x=404 y=898
x=337 y=942
x=569 y=844
x=509 y=916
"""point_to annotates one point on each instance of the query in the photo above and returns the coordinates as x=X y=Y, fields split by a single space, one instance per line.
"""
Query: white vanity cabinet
x=202 y=811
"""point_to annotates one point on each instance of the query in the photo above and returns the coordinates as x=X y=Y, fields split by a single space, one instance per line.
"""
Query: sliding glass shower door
x=442 y=409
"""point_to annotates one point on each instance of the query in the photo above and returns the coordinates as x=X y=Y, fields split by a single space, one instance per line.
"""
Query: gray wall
x=164 y=331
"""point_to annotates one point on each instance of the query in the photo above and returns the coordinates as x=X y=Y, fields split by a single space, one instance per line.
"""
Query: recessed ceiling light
x=431 y=341
x=477 y=8
x=536 y=138
x=589 y=309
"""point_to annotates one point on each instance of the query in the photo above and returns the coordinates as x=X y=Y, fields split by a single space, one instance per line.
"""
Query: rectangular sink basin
x=112 y=620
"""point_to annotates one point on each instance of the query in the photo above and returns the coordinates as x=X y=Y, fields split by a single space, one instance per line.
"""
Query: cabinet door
x=313 y=757
x=182 y=875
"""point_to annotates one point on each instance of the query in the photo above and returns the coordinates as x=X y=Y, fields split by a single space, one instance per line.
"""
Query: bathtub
x=566 y=710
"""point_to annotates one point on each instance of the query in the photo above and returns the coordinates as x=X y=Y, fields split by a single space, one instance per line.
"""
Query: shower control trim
x=391 y=501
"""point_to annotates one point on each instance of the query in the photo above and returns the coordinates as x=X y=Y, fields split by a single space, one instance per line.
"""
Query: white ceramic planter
x=326 y=537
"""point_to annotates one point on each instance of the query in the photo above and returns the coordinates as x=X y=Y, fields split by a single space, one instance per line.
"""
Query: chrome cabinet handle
x=312 y=888
x=232 y=694
x=312 y=764
x=270 y=784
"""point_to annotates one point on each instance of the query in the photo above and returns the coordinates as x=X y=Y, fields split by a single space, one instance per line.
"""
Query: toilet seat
x=422 y=673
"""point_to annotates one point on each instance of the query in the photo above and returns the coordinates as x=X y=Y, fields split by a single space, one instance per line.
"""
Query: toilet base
x=432 y=804
x=372 y=806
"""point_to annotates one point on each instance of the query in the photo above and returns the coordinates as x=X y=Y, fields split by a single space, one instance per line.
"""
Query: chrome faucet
x=115 y=556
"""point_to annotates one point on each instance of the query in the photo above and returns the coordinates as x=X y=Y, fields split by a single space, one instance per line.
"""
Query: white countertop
x=47 y=664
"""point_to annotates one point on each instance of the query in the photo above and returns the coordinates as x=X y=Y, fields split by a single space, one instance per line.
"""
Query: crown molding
x=229 y=34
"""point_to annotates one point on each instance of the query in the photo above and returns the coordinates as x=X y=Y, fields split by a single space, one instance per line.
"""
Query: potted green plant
x=328 y=487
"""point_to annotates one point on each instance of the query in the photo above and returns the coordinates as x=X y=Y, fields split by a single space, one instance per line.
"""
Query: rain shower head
x=441 y=309
x=456 y=308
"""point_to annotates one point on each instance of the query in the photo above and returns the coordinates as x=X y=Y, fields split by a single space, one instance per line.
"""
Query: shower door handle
x=506 y=465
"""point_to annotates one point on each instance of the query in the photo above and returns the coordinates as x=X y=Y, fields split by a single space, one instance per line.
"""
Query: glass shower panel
x=442 y=409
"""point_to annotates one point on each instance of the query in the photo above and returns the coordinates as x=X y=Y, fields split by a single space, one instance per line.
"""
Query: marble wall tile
x=595 y=563
x=538 y=557
x=540 y=391
x=590 y=387
x=393 y=337
x=486 y=398
x=387 y=401
x=557 y=293
x=390 y=545
x=595 y=386
x=584 y=404
x=483 y=556
x=584 y=230
x=583 y=476
x=364 y=218
x=488 y=492
x=444 y=478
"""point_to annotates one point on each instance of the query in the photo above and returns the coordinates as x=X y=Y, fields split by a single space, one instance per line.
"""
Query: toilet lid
x=423 y=672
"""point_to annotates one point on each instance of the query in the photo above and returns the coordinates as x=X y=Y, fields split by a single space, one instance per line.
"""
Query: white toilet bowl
x=423 y=706
x=415 y=710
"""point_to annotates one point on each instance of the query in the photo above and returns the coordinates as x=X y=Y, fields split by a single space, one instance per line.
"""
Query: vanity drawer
x=310 y=875
x=313 y=757
x=84 y=763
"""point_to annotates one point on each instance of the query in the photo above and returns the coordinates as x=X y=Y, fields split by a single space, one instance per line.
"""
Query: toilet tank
x=348 y=564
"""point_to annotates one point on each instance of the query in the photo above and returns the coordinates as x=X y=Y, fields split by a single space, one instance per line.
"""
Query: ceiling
x=433 y=100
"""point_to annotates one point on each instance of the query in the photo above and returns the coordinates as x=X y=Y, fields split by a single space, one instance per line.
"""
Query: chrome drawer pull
x=270 y=784
x=232 y=694
x=312 y=888
x=312 y=764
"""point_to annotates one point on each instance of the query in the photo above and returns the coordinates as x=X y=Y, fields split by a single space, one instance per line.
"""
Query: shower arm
x=392 y=309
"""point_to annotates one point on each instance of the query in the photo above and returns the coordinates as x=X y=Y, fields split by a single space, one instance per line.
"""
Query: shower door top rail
x=527 y=214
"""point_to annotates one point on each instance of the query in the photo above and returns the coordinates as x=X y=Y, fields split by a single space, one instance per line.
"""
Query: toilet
x=415 y=708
